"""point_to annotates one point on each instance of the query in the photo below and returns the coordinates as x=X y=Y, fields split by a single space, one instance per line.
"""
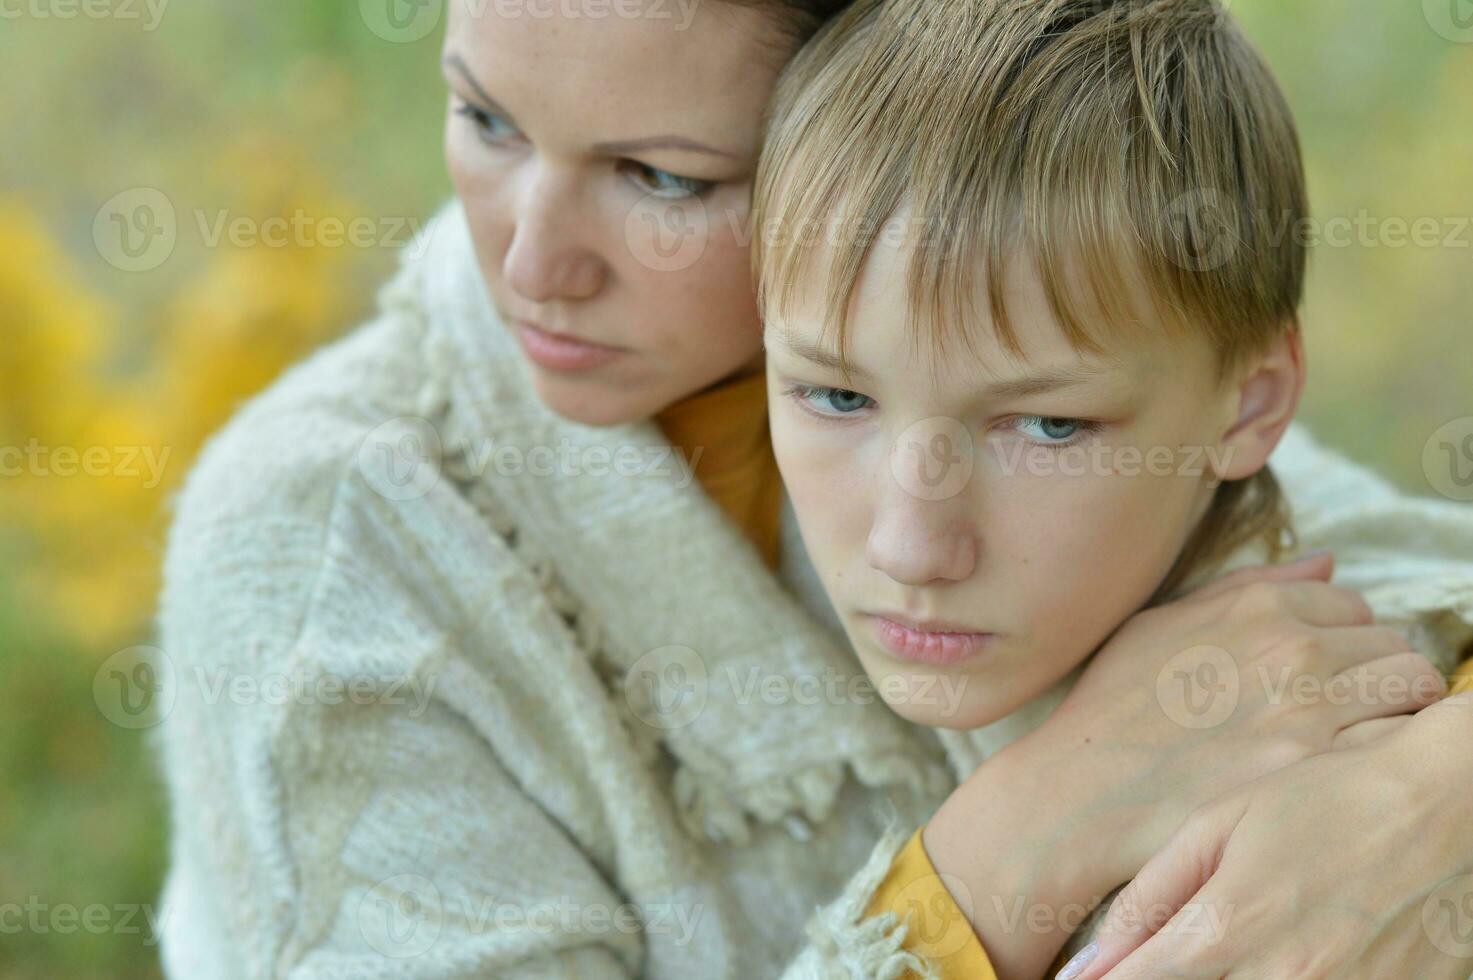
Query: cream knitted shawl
x=578 y=728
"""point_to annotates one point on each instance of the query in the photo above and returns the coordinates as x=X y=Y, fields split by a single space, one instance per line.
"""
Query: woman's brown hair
x=799 y=19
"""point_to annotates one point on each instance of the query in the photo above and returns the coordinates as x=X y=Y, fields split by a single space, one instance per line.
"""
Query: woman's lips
x=935 y=647
x=560 y=352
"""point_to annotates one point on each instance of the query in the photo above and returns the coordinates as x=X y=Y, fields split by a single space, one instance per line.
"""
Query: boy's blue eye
x=666 y=184
x=489 y=126
x=1051 y=426
x=840 y=401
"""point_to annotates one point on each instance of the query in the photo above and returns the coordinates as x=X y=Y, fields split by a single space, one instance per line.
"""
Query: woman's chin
x=585 y=403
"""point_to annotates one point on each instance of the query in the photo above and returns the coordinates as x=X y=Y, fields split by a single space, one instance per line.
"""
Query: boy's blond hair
x=1139 y=153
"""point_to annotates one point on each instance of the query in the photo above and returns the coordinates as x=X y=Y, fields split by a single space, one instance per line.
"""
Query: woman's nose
x=549 y=258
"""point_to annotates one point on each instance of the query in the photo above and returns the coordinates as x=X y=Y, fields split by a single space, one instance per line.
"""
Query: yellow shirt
x=1461 y=679
x=937 y=931
x=723 y=434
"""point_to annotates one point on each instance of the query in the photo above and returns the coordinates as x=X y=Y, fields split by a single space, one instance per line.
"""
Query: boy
x=1065 y=333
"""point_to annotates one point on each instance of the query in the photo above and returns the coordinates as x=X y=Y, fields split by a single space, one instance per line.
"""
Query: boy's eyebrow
x=1034 y=384
x=1045 y=381
x=822 y=357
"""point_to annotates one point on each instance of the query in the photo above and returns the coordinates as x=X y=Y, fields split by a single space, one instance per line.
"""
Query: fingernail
x=1081 y=959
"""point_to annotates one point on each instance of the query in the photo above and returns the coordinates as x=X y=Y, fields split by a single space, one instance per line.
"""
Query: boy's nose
x=919 y=542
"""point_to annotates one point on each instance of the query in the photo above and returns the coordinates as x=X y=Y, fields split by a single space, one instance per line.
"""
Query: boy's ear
x=1262 y=403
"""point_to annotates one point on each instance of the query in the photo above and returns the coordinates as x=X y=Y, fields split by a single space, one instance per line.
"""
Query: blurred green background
x=305 y=108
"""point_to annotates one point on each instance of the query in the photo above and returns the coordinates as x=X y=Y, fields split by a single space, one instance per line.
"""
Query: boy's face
x=928 y=497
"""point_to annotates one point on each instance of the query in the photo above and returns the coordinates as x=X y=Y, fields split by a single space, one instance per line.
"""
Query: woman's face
x=605 y=166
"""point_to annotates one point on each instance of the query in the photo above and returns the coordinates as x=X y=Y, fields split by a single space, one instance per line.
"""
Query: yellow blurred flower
x=52 y=328
x=98 y=456
x=259 y=307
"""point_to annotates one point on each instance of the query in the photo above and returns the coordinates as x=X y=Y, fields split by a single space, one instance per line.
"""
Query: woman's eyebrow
x=669 y=141
x=666 y=142
x=454 y=61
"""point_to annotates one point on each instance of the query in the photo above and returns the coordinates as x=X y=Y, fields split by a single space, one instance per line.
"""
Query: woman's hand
x=1379 y=838
x=1050 y=824
x=1251 y=673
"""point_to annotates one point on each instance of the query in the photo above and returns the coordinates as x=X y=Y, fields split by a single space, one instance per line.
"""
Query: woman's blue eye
x=489 y=126
x=1057 y=431
x=666 y=184
x=840 y=401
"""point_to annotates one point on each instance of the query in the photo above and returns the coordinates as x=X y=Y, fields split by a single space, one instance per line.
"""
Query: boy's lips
x=927 y=641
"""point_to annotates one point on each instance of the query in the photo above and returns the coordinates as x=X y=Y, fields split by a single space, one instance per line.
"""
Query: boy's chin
x=941 y=699
x=961 y=717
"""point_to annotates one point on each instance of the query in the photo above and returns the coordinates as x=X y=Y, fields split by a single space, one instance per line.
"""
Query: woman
x=551 y=712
